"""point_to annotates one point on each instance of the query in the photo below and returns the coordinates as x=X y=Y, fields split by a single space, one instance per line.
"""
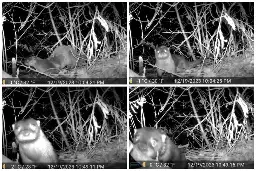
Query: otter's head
x=162 y=52
x=149 y=141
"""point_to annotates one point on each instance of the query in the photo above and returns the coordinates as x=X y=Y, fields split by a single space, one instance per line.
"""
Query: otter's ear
x=163 y=137
x=38 y=123
x=13 y=126
x=135 y=131
x=136 y=136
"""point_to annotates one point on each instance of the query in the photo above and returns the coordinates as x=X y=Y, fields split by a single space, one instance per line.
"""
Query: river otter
x=165 y=61
x=155 y=144
x=34 y=147
x=62 y=56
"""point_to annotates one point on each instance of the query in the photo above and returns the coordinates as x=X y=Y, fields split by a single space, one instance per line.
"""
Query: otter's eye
x=153 y=142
